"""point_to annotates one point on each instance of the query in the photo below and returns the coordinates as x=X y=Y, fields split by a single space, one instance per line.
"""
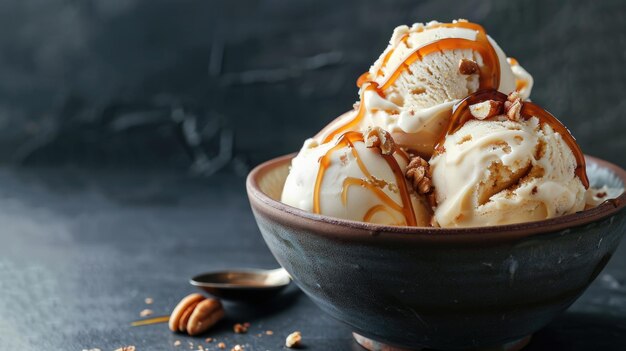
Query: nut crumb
x=237 y=348
x=148 y=301
x=418 y=174
x=93 y=349
x=177 y=343
x=269 y=332
x=378 y=137
x=200 y=348
x=240 y=328
x=126 y=348
x=601 y=195
x=221 y=345
x=208 y=340
x=145 y=313
x=467 y=67
x=293 y=339
x=486 y=109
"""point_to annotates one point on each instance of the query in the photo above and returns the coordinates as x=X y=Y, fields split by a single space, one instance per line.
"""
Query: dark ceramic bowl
x=410 y=288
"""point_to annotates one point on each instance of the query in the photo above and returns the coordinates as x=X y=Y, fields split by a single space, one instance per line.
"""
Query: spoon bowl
x=244 y=285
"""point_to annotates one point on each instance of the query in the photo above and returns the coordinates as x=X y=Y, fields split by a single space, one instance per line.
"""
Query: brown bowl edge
x=348 y=229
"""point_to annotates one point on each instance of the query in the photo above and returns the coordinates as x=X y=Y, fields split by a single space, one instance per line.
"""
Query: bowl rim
x=349 y=229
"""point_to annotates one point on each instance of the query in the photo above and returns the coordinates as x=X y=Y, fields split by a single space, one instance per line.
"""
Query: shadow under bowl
x=442 y=288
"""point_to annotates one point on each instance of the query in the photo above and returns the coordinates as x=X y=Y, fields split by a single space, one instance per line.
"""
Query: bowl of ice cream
x=442 y=288
x=446 y=210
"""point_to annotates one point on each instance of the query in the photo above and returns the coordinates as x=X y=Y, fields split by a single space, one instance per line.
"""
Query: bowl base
x=373 y=345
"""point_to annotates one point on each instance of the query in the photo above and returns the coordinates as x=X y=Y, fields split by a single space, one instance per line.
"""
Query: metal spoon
x=243 y=284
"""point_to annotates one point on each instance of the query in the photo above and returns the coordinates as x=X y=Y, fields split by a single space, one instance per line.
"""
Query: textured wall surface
x=126 y=83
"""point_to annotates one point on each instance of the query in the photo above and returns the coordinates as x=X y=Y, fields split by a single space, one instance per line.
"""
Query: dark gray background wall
x=145 y=83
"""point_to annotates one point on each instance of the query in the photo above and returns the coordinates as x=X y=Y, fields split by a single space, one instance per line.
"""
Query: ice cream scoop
x=425 y=70
x=505 y=161
x=355 y=178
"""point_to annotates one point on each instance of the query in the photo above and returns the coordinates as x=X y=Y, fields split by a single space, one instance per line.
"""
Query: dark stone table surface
x=81 y=250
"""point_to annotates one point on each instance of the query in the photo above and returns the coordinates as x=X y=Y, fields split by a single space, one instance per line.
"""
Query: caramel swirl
x=347 y=140
x=461 y=114
x=489 y=72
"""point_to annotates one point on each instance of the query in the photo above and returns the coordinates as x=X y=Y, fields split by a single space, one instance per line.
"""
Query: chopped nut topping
x=418 y=173
x=486 y=109
x=145 y=313
x=467 y=67
x=293 y=340
x=513 y=106
x=378 y=137
x=240 y=328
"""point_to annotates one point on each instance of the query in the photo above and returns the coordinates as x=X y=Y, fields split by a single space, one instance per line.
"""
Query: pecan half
x=195 y=314
x=206 y=314
x=486 y=109
x=467 y=66
x=380 y=138
x=418 y=173
x=178 y=312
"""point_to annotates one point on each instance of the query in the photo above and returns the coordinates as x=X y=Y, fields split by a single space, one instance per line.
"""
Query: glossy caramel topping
x=374 y=210
x=347 y=140
x=461 y=114
x=489 y=72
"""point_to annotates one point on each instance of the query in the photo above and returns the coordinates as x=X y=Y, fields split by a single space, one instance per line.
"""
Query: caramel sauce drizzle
x=489 y=72
x=461 y=115
x=347 y=140
x=519 y=84
x=374 y=210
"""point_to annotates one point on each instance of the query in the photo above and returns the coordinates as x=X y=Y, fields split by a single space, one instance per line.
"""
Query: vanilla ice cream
x=502 y=170
x=427 y=68
x=495 y=159
x=347 y=179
